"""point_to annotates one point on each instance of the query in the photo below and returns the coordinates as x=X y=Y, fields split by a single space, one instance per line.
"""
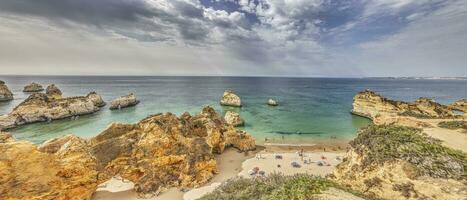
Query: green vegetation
x=417 y=115
x=275 y=187
x=453 y=124
x=382 y=143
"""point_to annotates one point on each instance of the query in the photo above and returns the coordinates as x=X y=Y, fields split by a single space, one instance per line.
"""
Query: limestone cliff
x=5 y=93
x=397 y=162
x=158 y=152
x=67 y=173
x=39 y=107
x=371 y=105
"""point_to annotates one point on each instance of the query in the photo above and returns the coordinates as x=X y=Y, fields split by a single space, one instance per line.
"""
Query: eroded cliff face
x=398 y=162
x=39 y=107
x=26 y=172
x=372 y=105
x=460 y=105
x=158 y=152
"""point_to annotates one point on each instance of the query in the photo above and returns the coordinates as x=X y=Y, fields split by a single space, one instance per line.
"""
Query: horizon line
x=237 y=76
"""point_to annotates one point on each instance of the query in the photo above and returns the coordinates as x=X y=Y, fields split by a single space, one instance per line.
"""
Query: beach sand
x=232 y=164
x=266 y=161
x=456 y=139
x=229 y=165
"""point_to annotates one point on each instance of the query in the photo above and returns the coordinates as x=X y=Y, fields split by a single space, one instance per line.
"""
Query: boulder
x=231 y=99
x=159 y=152
x=39 y=107
x=33 y=87
x=5 y=93
x=272 y=102
x=53 y=91
x=124 y=101
x=233 y=118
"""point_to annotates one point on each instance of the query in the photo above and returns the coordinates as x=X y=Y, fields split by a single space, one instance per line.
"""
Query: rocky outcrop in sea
x=33 y=87
x=370 y=104
x=159 y=152
x=272 y=102
x=124 y=101
x=39 y=107
x=5 y=93
x=53 y=91
x=233 y=118
x=231 y=99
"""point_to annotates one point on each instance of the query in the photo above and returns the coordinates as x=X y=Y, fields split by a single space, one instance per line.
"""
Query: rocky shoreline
x=156 y=153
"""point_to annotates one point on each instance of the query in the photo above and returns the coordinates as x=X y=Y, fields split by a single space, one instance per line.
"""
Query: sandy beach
x=232 y=164
x=229 y=165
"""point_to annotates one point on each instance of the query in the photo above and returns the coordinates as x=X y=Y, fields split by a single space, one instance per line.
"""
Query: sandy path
x=455 y=139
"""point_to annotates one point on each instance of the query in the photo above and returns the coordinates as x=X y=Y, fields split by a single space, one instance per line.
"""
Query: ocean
x=311 y=109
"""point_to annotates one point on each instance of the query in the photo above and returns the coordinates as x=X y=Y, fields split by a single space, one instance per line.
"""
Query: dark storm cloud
x=95 y=12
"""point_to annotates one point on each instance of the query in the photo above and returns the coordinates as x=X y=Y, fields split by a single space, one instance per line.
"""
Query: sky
x=312 y=38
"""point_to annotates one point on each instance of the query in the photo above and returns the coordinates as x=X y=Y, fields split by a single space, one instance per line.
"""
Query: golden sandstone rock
x=156 y=153
x=395 y=159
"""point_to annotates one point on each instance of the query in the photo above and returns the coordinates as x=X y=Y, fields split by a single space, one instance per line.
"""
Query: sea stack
x=124 y=101
x=5 y=93
x=40 y=107
x=231 y=99
x=233 y=119
x=33 y=87
x=272 y=102
x=53 y=91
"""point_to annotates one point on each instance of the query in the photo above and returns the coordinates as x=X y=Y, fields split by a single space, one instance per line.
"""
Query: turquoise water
x=317 y=108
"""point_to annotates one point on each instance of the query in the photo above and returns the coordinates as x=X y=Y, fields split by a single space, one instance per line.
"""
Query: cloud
x=231 y=37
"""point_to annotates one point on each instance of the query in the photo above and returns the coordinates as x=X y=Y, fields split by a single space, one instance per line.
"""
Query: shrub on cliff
x=275 y=187
x=453 y=124
x=383 y=143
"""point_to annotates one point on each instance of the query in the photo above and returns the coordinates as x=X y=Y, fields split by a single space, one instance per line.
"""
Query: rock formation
x=371 y=105
x=124 y=101
x=460 y=105
x=53 y=91
x=231 y=99
x=272 y=102
x=398 y=162
x=39 y=107
x=33 y=87
x=5 y=93
x=233 y=118
x=67 y=172
x=156 y=153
